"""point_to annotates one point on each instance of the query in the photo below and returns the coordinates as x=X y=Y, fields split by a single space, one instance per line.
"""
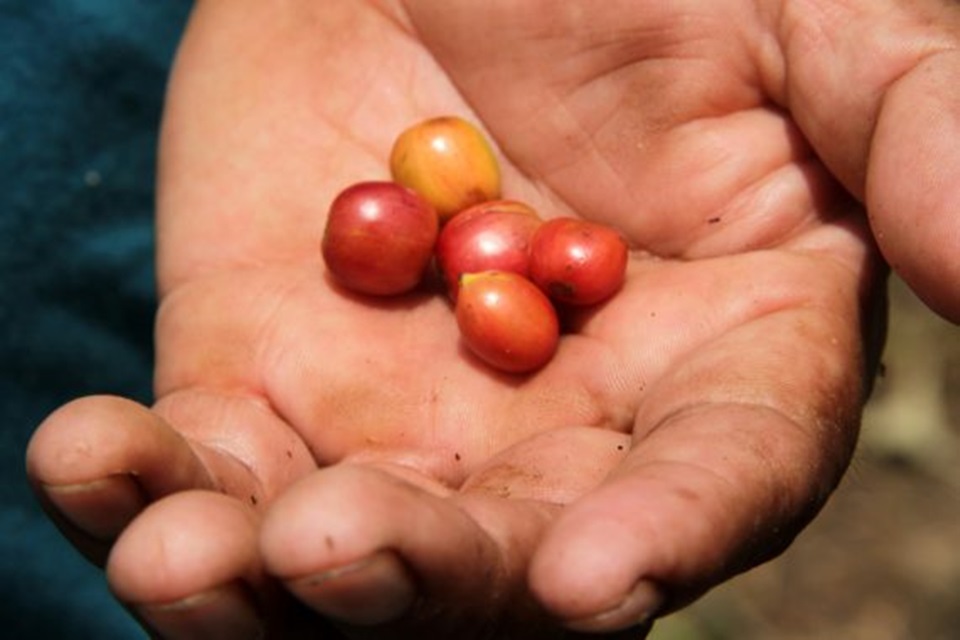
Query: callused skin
x=507 y=321
x=490 y=236
x=379 y=238
x=732 y=408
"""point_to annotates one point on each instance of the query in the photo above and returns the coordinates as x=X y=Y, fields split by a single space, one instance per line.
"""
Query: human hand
x=372 y=469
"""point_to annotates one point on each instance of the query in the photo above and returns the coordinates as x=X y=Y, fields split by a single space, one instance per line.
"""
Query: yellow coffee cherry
x=449 y=162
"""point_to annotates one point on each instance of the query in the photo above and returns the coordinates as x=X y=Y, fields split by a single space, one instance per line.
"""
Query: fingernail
x=372 y=591
x=101 y=508
x=638 y=607
x=227 y=612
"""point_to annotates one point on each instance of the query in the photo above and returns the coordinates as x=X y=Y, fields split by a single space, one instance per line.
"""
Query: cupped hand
x=321 y=463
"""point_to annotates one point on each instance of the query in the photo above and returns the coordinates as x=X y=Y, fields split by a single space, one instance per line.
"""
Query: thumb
x=875 y=86
x=912 y=188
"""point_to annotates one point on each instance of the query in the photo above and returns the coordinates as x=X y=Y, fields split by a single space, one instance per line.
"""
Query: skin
x=301 y=466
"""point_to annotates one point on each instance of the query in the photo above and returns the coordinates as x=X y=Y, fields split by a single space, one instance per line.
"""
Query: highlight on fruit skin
x=506 y=270
x=507 y=321
x=577 y=262
x=379 y=238
x=491 y=236
x=449 y=162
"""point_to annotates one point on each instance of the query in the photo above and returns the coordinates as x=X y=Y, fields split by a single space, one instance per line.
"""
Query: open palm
x=685 y=430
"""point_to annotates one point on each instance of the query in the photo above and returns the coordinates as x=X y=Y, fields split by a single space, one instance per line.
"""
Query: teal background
x=81 y=88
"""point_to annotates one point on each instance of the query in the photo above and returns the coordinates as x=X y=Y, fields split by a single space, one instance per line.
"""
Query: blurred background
x=81 y=86
x=882 y=562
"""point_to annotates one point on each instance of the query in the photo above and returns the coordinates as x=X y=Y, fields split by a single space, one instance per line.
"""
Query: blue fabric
x=81 y=85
